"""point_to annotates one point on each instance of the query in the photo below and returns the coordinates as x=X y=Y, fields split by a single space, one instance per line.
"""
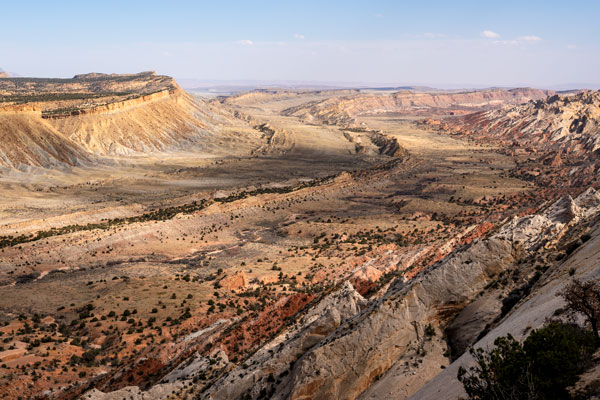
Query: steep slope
x=532 y=312
x=568 y=124
x=166 y=120
x=49 y=122
x=343 y=111
x=274 y=359
x=27 y=139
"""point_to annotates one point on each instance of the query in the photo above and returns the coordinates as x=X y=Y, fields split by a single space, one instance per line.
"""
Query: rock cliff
x=67 y=122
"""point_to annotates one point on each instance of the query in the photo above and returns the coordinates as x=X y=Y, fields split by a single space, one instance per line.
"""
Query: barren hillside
x=68 y=121
x=345 y=110
x=563 y=123
x=27 y=139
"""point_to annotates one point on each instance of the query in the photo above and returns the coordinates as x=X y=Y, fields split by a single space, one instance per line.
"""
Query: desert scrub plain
x=130 y=267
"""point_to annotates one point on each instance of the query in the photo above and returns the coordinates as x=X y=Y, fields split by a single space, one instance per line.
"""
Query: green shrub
x=549 y=361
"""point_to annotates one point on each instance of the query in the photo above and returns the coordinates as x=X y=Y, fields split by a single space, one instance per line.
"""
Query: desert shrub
x=542 y=368
x=429 y=330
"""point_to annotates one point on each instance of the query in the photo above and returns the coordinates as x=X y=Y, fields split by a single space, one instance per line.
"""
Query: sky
x=426 y=42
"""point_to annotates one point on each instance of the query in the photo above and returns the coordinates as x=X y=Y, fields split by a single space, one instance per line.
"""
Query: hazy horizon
x=465 y=44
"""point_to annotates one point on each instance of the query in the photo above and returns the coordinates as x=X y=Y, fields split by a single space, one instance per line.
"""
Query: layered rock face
x=343 y=111
x=542 y=304
x=556 y=141
x=28 y=140
x=53 y=122
x=567 y=123
x=269 y=366
x=165 y=120
x=391 y=347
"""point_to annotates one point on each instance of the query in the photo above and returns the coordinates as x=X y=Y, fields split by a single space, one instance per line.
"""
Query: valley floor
x=229 y=250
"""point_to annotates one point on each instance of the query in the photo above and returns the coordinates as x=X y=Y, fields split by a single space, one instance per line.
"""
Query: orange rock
x=234 y=282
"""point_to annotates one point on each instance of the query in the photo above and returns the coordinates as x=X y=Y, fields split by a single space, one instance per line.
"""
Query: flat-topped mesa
x=108 y=106
x=107 y=114
x=95 y=75
x=90 y=88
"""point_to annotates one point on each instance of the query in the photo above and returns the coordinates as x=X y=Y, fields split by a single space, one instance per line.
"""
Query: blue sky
x=389 y=42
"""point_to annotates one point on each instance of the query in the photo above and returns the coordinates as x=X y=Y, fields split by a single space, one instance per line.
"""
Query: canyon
x=285 y=244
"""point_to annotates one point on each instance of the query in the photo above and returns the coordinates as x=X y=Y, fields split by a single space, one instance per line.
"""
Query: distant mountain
x=575 y=86
x=344 y=110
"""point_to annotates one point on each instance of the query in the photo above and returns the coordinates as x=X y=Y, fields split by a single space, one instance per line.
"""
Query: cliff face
x=49 y=122
x=343 y=111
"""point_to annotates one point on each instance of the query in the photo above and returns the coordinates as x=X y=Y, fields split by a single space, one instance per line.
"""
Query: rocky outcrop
x=393 y=346
x=234 y=282
x=269 y=367
x=566 y=124
x=534 y=310
x=164 y=391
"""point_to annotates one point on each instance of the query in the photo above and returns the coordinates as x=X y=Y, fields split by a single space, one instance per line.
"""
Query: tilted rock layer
x=567 y=123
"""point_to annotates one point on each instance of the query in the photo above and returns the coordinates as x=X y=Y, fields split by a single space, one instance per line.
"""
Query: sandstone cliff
x=53 y=122
x=164 y=120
